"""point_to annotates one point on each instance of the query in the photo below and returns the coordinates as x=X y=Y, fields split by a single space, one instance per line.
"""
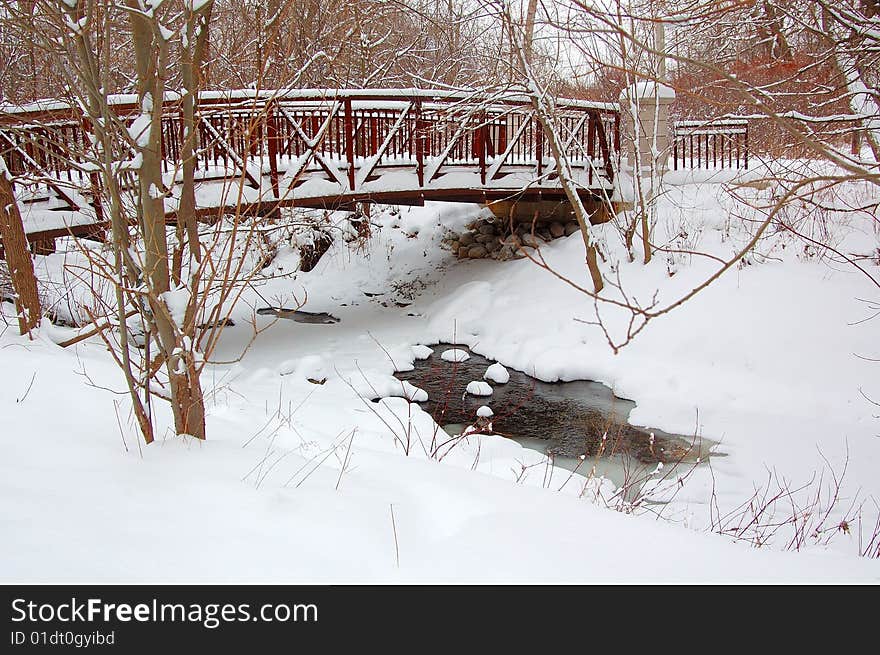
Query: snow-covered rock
x=485 y=412
x=422 y=352
x=455 y=355
x=479 y=388
x=497 y=373
x=413 y=393
x=314 y=367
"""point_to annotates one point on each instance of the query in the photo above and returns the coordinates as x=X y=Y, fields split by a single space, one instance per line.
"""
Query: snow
x=422 y=352
x=771 y=360
x=177 y=300
x=649 y=89
x=132 y=164
x=455 y=355
x=479 y=388
x=413 y=393
x=139 y=130
x=485 y=411
x=497 y=373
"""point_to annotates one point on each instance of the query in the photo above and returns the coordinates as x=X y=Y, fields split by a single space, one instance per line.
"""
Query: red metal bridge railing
x=348 y=137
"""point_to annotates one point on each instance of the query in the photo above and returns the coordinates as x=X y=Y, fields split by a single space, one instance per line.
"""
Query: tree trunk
x=555 y=143
x=18 y=257
x=646 y=228
x=186 y=395
x=529 y=35
x=191 y=60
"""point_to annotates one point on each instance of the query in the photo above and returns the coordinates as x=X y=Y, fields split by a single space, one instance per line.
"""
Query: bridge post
x=481 y=134
x=593 y=123
x=94 y=177
x=272 y=146
x=420 y=141
x=349 y=141
x=646 y=105
x=539 y=147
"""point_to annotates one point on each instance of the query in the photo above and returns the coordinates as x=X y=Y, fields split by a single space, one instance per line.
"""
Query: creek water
x=581 y=423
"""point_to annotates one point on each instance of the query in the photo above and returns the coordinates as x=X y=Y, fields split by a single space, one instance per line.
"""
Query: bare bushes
x=787 y=515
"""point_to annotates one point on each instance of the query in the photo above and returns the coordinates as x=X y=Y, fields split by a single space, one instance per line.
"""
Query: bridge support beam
x=548 y=211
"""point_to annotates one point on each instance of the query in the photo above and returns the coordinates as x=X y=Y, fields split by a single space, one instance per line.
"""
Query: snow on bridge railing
x=346 y=136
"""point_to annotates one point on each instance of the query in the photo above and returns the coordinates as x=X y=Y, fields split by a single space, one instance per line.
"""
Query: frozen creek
x=580 y=423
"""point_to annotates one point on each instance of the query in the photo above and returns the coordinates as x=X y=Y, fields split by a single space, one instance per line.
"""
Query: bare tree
x=172 y=287
x=521 y=39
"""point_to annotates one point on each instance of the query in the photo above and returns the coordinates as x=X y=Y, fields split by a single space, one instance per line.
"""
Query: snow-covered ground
x=305 y=482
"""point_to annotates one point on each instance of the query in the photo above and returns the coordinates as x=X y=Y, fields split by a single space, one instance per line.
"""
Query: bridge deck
x=313 y=149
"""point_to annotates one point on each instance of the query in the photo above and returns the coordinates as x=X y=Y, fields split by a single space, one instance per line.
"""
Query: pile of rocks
x=493 y=239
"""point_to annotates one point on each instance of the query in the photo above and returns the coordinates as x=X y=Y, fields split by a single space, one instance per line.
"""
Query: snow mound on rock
x=422 y=352
x=413 y=393
x=485 y=412
x=455 y=355
x=497 y=373
x=479 y=388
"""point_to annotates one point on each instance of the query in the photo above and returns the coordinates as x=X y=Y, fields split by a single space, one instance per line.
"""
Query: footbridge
x=261 y=150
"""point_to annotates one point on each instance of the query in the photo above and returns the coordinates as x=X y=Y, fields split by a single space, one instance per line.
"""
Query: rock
x=511 y=240
x=477 y=252
x=497 y=373
x=454 y=246
x=486 y=228
x=466 y=239
x=531 y=240
x=556 y=230
x=505 y=253
x=479 y=388
x=544 y=234
x=571 y=228
x=455 y=355
x=484 y=238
